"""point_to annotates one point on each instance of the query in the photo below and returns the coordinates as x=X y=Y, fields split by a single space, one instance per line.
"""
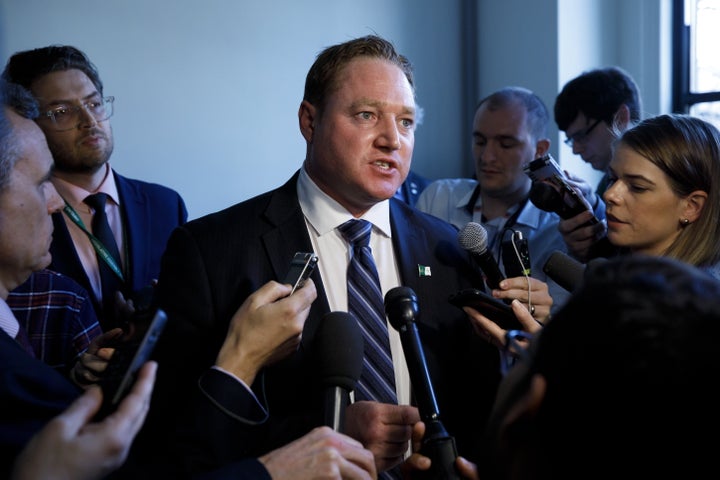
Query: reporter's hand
x=69 y=447
x=383 y=429
x=531 y=292
x=419 y=462
x=88 y=369
x=493 y=333
x=265 y=329
x=583 y=188
x=321 y=454
x=580 y=236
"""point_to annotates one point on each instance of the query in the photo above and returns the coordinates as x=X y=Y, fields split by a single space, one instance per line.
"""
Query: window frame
x=682 y=97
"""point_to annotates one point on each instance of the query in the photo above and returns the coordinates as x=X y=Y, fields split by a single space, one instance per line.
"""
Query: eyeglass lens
x=67 y=118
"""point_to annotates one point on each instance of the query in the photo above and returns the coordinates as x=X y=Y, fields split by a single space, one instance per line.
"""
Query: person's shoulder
x=47 y=281
x=451 y=185
x=427 y=221
x=151 y=188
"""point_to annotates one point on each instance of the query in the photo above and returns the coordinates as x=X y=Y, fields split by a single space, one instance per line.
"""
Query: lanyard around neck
x=97 y=244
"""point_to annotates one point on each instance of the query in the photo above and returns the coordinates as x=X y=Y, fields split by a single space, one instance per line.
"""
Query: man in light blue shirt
x=509 y=131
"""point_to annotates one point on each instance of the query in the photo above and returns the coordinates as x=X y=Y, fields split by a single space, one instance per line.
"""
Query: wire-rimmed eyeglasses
x=513 y=349
x=67 y=117
x=581 y=136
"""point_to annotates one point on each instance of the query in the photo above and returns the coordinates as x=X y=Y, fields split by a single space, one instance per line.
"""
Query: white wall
x=207 y=92
x=545 y=43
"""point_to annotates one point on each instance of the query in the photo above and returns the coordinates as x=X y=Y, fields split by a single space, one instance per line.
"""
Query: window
x=696 y=69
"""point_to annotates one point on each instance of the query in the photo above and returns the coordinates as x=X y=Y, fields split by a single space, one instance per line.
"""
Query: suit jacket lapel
x=288 y=234
x=136 y=218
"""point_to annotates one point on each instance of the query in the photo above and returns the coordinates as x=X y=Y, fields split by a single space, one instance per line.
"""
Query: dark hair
x=687 y=150
x=27 y=66
x=322 y=77
x=23 y=103
x=537 y=113
x=630 y=362
x=598 y=94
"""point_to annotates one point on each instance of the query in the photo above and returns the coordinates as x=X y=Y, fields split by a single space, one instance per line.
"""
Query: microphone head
x=474 y=238
x=401 y=306
x=339 y=348
x=564 y=270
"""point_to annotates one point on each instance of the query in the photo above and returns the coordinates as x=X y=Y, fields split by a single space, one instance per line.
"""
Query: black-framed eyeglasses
x=513 y=349
x=67 y=117
x=581 y=136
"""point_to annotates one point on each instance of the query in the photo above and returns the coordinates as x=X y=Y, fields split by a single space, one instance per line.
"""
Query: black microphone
x=401 y=307
x=566 y=271
x=474 y=238
x=339 y=348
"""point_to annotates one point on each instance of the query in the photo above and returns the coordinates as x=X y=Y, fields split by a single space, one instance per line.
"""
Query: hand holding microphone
x=401 y=307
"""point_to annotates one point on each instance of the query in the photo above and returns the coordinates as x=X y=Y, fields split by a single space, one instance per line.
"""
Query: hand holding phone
x=301 y=267
x=494 y=309
x=122 y=369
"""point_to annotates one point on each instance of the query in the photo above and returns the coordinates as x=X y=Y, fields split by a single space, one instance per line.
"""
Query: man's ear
x=528 y=404
x=517 y=437
x=307 y=115
x=541 y=147
x=622 y=117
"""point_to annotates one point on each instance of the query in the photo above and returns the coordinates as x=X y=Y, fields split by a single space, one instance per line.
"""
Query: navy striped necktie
x=365 y=301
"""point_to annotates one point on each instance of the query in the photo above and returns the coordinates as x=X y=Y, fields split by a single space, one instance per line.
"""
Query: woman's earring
x=685 y=221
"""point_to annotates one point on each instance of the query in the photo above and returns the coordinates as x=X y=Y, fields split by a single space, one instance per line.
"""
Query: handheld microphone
x=566 y=271
x=339 y=348
x=473 y=238
x=401 y=307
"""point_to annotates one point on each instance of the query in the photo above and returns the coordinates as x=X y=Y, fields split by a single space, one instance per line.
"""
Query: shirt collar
x=325 y=214
x=8 y=322
x=75 y=195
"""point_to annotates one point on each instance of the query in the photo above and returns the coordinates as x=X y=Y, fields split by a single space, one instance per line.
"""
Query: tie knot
x=357 y=232
x=96 y=201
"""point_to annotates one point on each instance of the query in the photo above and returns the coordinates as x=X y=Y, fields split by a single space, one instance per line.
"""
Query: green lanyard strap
x=97 y=244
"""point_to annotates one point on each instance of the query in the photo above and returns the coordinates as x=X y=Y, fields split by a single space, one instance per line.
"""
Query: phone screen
x=122 y=369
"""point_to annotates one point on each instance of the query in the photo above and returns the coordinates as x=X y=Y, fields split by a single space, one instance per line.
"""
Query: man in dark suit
x=46 y=424
x=357 y=117
x=76 y=121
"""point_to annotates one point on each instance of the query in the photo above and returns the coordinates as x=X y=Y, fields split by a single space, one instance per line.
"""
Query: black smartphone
x=122 y=369
x=301 y=267
x=493 y=308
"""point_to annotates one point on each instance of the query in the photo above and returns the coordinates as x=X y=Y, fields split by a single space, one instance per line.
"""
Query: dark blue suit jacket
x=150 y=212
x=213 y=263
x=31 y=393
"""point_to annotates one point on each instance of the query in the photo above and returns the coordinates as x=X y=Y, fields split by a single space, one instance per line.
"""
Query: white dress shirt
x=322 y=216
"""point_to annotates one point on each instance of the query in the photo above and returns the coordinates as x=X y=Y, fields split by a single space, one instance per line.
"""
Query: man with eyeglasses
x=113 y=229
x=592 y=109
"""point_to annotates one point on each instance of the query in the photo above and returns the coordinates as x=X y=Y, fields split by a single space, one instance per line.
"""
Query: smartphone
x=301 y=267
x=122 y=369
x=493 y=308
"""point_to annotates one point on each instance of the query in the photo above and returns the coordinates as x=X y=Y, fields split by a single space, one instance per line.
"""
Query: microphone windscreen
x=473 y=237
x=339 y=348
x=564 y=270
x=401 y=306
